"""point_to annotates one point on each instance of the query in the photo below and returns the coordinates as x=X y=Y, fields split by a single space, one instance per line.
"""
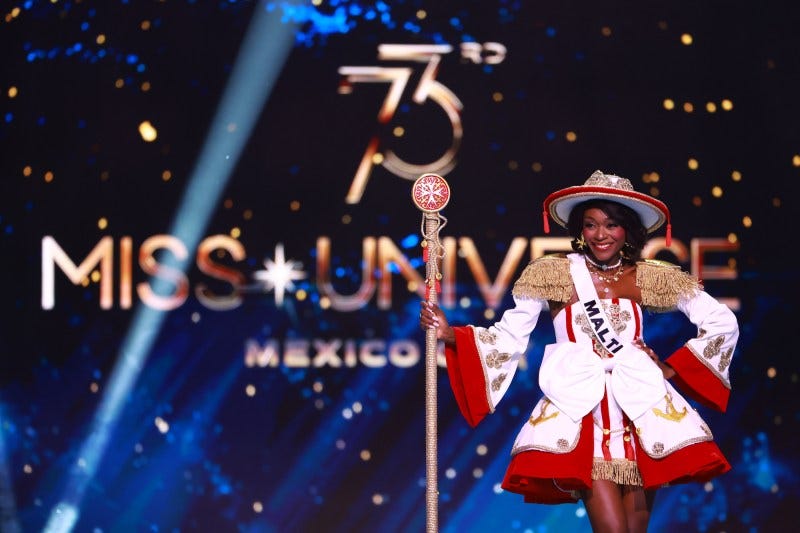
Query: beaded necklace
x=608 y=279
x=602 y=266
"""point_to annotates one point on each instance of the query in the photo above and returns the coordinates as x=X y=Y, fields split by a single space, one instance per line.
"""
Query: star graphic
x=279 y=274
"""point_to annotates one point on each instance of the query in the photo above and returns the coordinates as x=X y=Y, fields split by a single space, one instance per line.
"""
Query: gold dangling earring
x=580 y=242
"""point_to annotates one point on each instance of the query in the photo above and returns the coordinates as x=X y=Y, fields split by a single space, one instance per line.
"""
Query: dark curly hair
x=635 y=232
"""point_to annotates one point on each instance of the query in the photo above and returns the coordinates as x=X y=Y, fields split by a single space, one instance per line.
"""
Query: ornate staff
x=431 y=193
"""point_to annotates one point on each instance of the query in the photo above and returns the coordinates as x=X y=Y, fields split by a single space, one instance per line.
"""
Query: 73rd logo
x=428 y=87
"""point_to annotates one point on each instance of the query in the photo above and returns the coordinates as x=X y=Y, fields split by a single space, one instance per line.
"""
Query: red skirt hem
x=550 y=478
x=544 y=477
x=697 y=463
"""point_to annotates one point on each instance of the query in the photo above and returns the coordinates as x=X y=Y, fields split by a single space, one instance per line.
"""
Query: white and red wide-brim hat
x=559 y=204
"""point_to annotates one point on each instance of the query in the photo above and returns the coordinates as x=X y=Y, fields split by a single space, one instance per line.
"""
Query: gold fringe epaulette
x=663 y=283
x=547 y=277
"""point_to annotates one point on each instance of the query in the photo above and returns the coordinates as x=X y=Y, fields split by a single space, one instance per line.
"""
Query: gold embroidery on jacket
x=543 y=415
x=498 y=382
x=671 y=413
x=713 y=346
x=487 y=337
x=658 y=448
x=495 y=359
x=725 y=360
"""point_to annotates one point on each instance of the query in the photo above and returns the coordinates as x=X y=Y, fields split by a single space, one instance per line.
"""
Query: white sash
x=592 y=306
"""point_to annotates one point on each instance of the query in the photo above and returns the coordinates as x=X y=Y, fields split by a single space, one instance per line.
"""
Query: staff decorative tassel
x=431 y=193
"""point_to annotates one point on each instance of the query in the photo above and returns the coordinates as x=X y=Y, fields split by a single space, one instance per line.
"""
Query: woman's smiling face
x=604 y=236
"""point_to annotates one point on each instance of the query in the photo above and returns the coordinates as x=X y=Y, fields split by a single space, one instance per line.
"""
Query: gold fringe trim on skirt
x=620 y=471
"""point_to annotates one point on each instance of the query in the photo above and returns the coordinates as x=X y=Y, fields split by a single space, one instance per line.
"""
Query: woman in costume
x=610 y=428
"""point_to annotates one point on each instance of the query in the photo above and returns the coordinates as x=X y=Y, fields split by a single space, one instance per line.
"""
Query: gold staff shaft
x=431 y=193
x=431 y=371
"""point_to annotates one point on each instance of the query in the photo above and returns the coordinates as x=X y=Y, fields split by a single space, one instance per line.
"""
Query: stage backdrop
x=212 y=260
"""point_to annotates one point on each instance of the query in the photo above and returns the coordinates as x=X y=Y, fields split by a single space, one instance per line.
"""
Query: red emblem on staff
x=430 y=193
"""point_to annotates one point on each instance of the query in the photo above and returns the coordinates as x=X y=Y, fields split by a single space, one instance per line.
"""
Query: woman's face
x=604 y=236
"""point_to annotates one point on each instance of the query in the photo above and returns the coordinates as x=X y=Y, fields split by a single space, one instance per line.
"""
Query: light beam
x=262 y=54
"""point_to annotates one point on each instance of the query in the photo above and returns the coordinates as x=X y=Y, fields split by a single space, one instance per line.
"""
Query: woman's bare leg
x=618 y=509
x=604 y=505
x=638 y=503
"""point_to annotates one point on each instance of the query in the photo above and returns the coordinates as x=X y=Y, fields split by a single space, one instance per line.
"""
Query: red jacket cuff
x=696 y=380
x=466 y=376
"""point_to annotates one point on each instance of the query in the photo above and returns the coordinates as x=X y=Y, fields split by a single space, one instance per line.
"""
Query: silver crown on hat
x=598 y=179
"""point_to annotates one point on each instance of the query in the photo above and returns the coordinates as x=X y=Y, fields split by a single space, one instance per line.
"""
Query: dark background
x=342 y=449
